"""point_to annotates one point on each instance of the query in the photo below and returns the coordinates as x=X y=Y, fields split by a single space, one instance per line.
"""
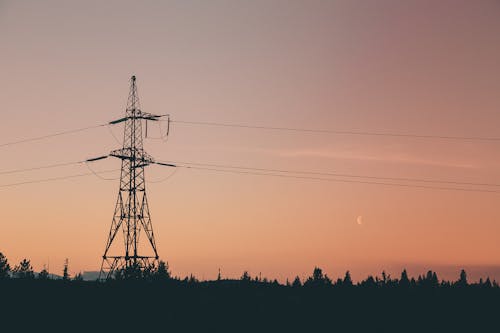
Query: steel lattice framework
x=131 y=214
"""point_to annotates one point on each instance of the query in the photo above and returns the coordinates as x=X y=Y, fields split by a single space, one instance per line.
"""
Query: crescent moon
x=359 y=220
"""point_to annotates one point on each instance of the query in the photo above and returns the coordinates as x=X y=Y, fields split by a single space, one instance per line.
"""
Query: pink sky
x=425 y=67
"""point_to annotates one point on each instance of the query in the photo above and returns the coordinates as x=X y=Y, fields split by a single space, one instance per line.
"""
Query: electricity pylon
x=131 y=214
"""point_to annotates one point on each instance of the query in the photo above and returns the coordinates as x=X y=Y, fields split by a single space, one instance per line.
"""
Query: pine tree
x=462 y=281
x=78 y=277
x=246 y=277
x=65 y=270
x=43 y=275
x=296 y=282
x=404 y=281
x=24 y=270
x=4 y=267
x=347 y=279
x=162 y=273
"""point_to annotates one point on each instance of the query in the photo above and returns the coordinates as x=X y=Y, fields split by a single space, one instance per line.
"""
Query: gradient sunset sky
x=423 y=67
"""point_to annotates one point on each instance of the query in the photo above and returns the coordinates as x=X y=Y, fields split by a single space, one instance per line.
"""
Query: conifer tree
x=4 y=267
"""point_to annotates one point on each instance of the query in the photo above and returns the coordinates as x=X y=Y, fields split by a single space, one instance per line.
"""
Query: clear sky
x=425 y=67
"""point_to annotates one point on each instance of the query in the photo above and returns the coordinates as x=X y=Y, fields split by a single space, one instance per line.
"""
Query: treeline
x=152 y=299
x=24 y=271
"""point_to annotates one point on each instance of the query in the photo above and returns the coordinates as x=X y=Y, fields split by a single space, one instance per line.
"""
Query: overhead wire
x=38 y=168
x=54 y=178
x=275 y=128
x=267 y=171
x=339 y=132
x=97 y=173
x=342 y=180
x=179 y=163
x=282 y=173
x=86 y=162
x=50 y=166
x=37 y=138
x=164 y=179
x=108 y=126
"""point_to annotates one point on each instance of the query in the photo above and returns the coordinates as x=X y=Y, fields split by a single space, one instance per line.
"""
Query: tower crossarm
x=139 y=156
x=138 y=114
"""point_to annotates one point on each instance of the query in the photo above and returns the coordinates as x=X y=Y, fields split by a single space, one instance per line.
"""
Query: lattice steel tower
x=131 y=214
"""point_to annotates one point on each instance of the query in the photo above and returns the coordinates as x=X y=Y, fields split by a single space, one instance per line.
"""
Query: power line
x=95 y=173
x=290 y=129
x=38 y=168
x=50 y=166
x=340 y=132
x=343 y=180
x=165 y=178
x=113 y=134
x=261 y=172
x=55 y=178
x=50 y=135
x=336 y=174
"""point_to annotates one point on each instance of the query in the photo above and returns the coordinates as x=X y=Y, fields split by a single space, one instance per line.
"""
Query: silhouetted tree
x=369 y=282
x=317 y=274
x=385 y=279
x=162 y=272
x=487 y=283
x=4 y=267
x=404 y=281
x=296 y=282
x=462 y=280
x=420 y=280
x=131 y=272
x=148 y=273
x=24 y=270
x=43 y=275
x=431 y=280
x=192 y=279
x=78 y=277
x=245 y=277
x=219 y=276
x=65 y=270
x=347 y=279
x=318 y=278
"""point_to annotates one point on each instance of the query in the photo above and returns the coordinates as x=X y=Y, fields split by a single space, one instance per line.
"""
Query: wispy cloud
x=381 y=157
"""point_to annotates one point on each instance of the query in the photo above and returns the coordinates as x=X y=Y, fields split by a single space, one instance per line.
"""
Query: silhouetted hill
x=90 y=275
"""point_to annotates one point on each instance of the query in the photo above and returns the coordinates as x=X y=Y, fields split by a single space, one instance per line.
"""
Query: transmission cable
x=50 y=166
x=164 y=179
x=108 y=126
x=50 y=135
x=55 y=178
x=342 y=180
x=339 y=132
x=39 y=168
x=335 y=174
x=97 y=173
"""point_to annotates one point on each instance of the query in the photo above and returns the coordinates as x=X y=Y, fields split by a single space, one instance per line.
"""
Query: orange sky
x=427 y=67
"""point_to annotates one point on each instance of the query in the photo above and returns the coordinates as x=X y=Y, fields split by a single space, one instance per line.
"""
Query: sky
x=411 y=67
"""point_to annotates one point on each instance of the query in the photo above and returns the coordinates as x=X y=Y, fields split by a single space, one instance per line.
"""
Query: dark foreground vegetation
x=155 y=301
